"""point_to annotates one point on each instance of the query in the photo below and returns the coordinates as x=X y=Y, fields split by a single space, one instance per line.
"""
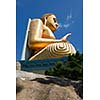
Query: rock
x=31 y=86
x=18 y=65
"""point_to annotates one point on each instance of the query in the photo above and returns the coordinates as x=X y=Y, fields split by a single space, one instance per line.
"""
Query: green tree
x=72 y=68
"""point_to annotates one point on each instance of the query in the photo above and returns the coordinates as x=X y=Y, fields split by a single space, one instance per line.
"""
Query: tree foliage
x=72 y=68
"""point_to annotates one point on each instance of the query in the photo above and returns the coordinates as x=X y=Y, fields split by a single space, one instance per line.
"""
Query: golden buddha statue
x=42 y=41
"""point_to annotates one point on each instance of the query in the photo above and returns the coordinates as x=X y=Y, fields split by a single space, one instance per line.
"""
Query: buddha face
x=51 y=22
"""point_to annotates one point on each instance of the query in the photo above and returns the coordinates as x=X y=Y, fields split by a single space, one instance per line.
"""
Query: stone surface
x=31 y=86
x=18 y=65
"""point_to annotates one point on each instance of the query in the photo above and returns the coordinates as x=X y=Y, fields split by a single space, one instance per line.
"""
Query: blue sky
x=68 y=12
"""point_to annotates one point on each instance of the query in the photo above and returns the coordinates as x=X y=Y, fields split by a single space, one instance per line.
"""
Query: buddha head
x=50 y=21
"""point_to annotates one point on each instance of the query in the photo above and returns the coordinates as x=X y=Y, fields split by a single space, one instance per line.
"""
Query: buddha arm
x=35 y=35
x=65 y=37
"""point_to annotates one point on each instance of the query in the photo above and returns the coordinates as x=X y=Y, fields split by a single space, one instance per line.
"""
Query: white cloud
x=66 y=25
x=69 y=16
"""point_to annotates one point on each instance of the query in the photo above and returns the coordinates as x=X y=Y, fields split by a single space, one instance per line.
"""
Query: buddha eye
x=54 y=20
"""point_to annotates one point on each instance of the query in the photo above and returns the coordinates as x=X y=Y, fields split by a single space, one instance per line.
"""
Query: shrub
x=72 y=68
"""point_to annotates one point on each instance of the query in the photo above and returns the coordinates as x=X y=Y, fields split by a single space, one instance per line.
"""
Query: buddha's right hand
x=64 y=39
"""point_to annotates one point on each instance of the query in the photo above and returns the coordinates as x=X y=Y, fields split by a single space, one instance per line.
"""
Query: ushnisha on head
x=50 y=21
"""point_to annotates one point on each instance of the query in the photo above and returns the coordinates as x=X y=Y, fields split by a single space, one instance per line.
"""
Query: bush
x=72 y=68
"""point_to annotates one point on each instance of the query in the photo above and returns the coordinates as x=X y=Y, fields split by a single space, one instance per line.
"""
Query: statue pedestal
x=40 y=64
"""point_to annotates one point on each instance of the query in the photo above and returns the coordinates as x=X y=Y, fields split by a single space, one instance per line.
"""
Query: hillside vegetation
x=72 y=68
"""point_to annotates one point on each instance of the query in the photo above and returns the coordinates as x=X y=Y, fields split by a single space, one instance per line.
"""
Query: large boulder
x=31 y=86
x=18 y=65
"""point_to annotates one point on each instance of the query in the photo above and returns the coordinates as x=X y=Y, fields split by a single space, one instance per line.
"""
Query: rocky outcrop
x=31 y=86
x=18 y=65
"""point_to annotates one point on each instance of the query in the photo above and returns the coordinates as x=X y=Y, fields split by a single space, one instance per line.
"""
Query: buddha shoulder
x=36 y=21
